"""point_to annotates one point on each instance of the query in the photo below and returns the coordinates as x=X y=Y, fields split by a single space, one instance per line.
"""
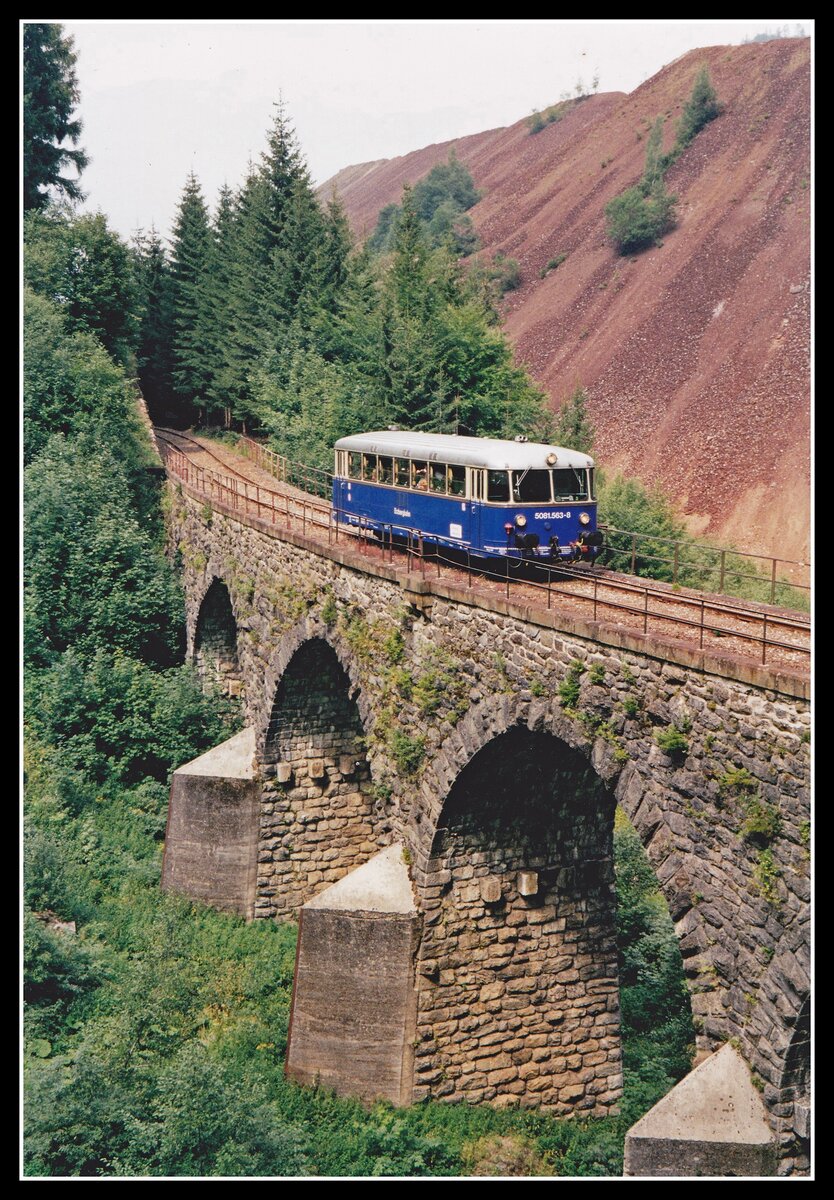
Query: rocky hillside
x=695 y=353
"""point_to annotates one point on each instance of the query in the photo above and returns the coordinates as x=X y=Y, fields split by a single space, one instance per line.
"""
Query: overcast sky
x=161 y=99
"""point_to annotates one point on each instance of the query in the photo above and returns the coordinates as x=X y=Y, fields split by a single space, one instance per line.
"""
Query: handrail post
x=773 y=582
x=468 y=567
x=645 y=610
x=595 y=597
x=675 y=566
x=507 y=560
x=764 y=634
x=634 y=554
x=721 y=576
x=701 y=639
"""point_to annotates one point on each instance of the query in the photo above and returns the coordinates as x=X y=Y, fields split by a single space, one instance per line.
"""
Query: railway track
x=764 y=634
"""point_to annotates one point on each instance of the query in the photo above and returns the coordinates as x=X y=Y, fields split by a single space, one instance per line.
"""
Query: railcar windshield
x=531 y=487
x=570 y=484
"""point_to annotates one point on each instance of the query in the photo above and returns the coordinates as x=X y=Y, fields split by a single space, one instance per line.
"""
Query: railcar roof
x=467 y=451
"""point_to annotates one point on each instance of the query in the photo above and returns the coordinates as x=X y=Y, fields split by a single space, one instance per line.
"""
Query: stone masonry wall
x=436 y=675
x=215 y=642
x=517 y=974
x=316 y=814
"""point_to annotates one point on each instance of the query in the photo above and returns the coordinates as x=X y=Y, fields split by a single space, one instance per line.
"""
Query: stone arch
x=318 y=817
x=476 y=730
x=214 y=640
x=308 y=629
x=517 y=973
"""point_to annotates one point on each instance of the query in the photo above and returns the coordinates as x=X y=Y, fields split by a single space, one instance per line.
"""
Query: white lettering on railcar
x=456 y=531
x=402 y=512
x=550 y=516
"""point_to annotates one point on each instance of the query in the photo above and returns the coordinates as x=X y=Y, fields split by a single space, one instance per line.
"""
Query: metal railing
x=686 y=563
x=309 y=479
x=694 y=564
x=645 y=606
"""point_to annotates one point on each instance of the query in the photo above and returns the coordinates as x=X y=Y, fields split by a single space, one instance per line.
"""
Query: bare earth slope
x=695 y=354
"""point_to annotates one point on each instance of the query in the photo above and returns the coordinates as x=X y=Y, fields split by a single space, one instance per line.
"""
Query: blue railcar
x=492 y=498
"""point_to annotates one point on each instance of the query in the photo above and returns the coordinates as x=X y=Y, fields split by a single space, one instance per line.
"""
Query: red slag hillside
x=695 y=354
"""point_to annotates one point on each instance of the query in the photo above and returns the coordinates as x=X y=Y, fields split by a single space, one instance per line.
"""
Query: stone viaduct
x=484 y=748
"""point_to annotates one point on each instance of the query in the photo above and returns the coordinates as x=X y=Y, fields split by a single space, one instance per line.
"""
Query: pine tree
x=190 y=261
x=408 y=353
x=250 y=292
x=701 y=107
x=217 y=304
x=50 y=96
x=156 y=328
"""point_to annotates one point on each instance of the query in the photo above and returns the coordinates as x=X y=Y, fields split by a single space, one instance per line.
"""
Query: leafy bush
x=672 y=742
x=505 y=273
x=762 y=824
x=115 y=717
x=636 y=221
x=552 y=264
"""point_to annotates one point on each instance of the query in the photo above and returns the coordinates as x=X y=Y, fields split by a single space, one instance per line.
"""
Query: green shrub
x=505 y=273
x=636 y=221
x=569 y=687
x=552 y=264
x=408 y=752
x=765 y=876
x=762 y=824
x=672 y=742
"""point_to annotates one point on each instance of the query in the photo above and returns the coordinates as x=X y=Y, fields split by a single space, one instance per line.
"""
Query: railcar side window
x=401 y=472
x=354 y=465
x=498 y=487
x=569 y=484
x=457 y=481
x=420 y=475
x=591 y=491
x=386 y=469
x=531 y=487
x=437 y=479
x=369 y=468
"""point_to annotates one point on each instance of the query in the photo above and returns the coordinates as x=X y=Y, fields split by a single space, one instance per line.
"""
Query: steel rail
x=239 y=493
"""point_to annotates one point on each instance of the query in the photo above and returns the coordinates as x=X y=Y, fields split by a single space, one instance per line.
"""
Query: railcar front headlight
x=551 y=459
x=584 y=519
x=521 y=520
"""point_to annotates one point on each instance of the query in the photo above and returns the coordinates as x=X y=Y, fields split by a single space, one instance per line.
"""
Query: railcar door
x=474 y=491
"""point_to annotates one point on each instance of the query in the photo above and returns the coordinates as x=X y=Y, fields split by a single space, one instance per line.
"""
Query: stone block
x=353 y=1018
x=491 y=889
x=211 y=841
x=712 y=1123
x=528 y=883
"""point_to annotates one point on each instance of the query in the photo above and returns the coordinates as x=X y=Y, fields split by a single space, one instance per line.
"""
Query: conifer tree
x=249 y=295
x=217 y=313
x=50 y=96
x=190 y=259
x=156 y=325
